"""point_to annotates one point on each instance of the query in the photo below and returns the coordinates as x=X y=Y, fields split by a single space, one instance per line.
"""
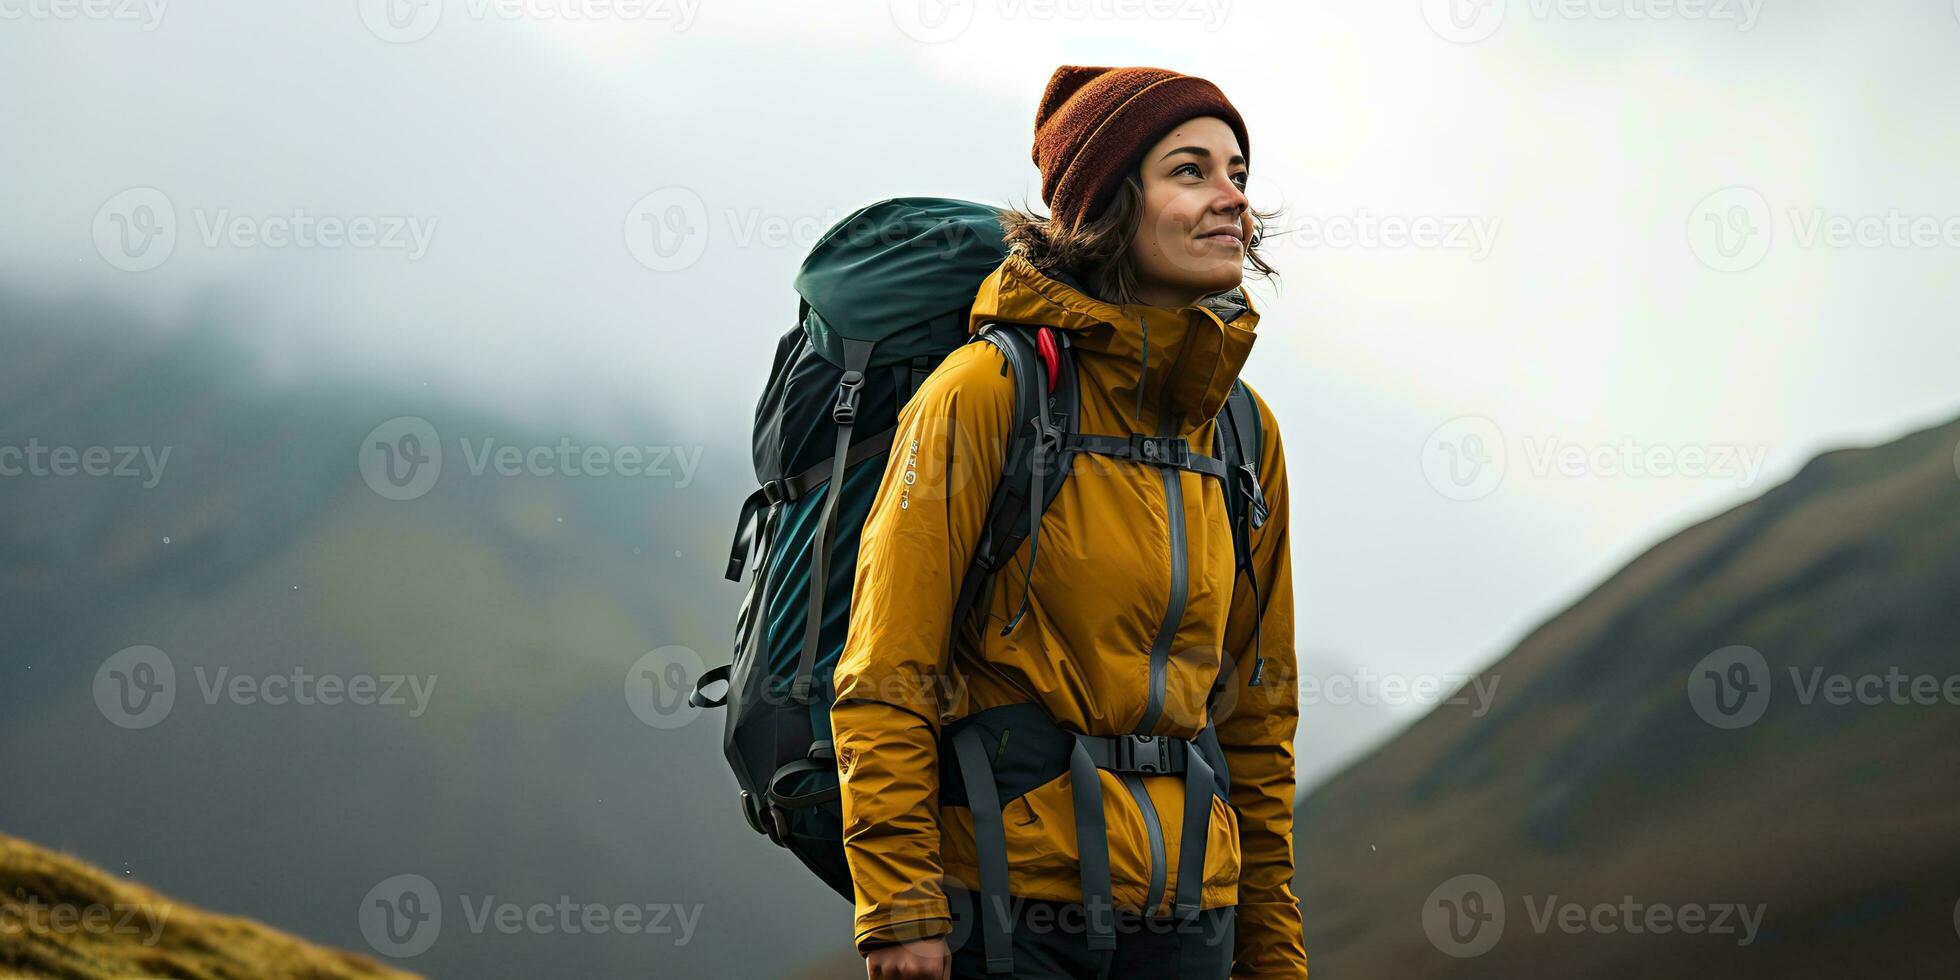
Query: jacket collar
x=1183 y=359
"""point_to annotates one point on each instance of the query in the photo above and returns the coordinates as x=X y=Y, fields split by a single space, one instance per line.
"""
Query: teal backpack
x=886 y=294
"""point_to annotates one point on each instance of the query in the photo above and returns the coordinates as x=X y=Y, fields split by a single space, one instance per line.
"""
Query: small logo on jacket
x=910 y=476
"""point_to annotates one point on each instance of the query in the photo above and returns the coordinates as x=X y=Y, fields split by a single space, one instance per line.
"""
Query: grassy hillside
x=1596 y=780
x=60 y=917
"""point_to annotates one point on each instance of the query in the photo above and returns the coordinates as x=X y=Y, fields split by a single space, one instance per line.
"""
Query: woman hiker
x=1130 y=688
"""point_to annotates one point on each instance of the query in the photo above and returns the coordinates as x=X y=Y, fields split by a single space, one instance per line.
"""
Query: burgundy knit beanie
x=1094 y=125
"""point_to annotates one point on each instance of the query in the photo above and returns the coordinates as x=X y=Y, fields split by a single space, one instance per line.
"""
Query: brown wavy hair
x=1096 y=253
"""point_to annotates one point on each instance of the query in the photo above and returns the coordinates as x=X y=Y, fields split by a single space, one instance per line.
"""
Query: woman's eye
x=1188 y=166
x=1240 y=179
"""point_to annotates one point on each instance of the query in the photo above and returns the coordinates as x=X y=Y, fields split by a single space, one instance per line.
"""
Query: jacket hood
x=1180 y=360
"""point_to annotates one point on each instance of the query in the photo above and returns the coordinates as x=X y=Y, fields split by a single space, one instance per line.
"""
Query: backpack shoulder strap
x=1027 y=483
x=1246 y=443
x=1241 y=443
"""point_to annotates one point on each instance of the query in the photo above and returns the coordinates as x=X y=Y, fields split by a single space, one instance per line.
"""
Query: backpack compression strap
x=857 y=356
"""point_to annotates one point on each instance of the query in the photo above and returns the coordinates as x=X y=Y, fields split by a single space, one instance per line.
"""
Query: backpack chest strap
x=1172 y=452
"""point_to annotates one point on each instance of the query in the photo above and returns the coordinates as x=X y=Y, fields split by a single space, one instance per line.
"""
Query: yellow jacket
x=1108 y=646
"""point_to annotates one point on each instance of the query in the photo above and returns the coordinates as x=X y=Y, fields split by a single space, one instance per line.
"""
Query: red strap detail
x=1051 y=354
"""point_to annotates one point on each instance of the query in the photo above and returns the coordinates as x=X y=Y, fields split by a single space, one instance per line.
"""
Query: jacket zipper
x=1160 y=654
x=1160 y=647
x=1159 y=861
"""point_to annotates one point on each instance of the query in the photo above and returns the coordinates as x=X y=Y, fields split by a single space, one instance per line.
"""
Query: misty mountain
x=258 y=554
x=1754 y=714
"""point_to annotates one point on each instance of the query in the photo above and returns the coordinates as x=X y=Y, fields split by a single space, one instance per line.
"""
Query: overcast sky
x=1533 y=243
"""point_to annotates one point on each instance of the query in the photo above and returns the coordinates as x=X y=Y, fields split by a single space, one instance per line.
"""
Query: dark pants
x=1051 y=941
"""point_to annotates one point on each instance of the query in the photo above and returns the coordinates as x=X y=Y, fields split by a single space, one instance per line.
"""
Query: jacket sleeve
x=920 y=534
x=1256 y=728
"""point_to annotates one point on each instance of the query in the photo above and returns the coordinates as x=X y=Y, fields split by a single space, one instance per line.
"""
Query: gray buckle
x=1161 y=450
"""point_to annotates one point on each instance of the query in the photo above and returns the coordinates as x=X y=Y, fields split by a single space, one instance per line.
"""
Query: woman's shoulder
x=974 y=377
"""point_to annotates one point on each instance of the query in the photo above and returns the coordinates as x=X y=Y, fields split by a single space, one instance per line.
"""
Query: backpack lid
x=895 y=264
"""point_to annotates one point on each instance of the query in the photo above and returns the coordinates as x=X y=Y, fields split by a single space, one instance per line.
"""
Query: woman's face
x=1191 y=235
